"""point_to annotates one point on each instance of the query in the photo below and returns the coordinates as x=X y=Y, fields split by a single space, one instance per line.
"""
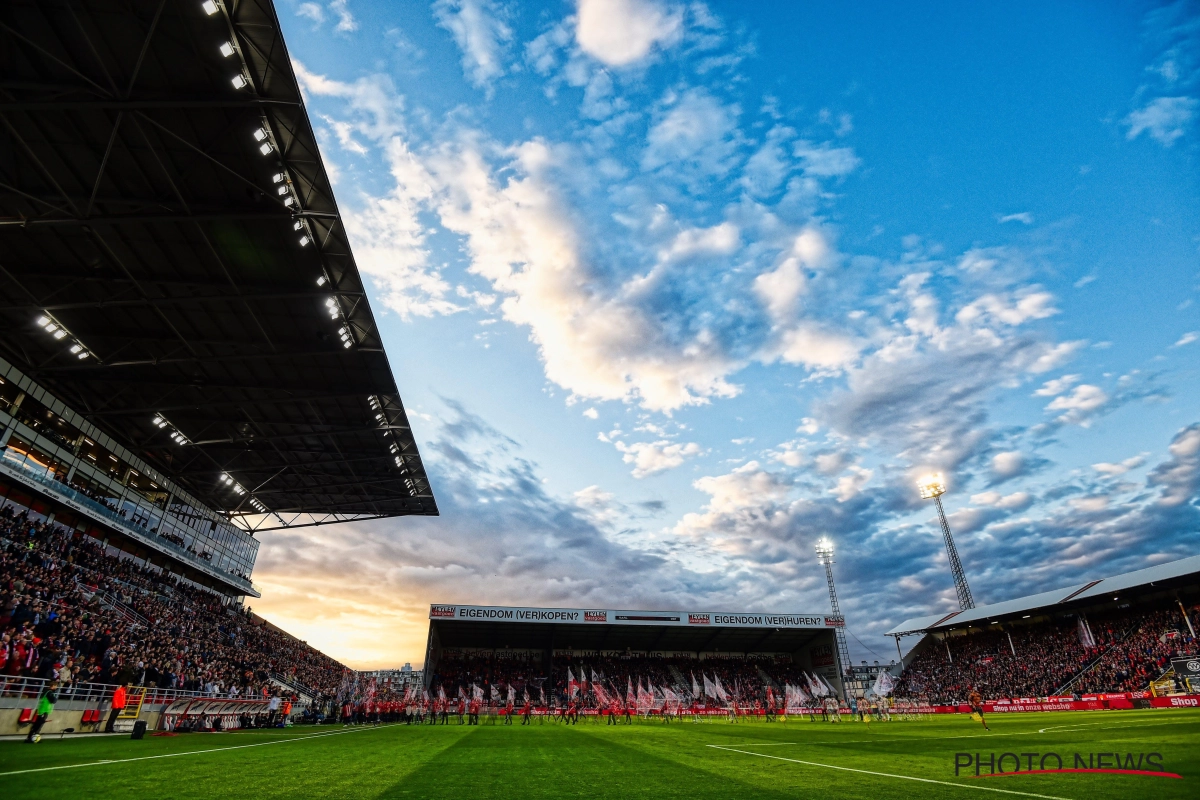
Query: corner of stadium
x=189 y=359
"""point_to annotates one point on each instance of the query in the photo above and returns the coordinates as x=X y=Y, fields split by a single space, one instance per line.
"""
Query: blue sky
x=671 y=290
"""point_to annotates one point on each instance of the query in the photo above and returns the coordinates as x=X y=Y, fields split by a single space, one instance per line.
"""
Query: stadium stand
x=1110 y=636
x=71 y=611
x=541 y=650
x=188 y=356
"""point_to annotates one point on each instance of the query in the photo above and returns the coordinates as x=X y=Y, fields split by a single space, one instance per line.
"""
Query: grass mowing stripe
x=890 y=775
x=190 y=752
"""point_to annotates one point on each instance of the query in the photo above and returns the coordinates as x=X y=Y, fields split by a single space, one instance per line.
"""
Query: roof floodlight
x=43 y=321
x=227 y=49
x=321 y=281
x=209 y=7
x=75 y=348
x=225 y=477
x=932 y=485
x=343 y=330
x=298 y=225
x=289 y=201
x=60 y=334
x=278 y=177
x=331 y=302
x=282 y=190
x=347 y=344
x=239 y=81
x=260 y=134
x=83 y=355
x=158 y=420
x=50 y=327
x=265 y=148
x=304 y=240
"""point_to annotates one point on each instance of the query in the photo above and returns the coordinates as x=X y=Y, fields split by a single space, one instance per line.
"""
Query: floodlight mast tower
x=933 y=487
x=825 y=554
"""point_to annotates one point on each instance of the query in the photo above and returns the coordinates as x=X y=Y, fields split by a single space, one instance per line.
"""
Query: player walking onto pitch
x=975 y=701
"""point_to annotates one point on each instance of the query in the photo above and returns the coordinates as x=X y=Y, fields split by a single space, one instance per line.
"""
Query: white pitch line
x=891 y=775
x=189 y=752
x=1105 y=726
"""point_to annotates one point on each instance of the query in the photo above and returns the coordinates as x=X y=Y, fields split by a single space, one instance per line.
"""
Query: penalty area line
x=189 y=752
x=890 y=774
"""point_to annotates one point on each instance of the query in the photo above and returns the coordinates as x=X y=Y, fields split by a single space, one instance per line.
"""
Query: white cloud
x=1023 y=217
x=595 y=339
x=1180 y=476
x=346 y=21
x=824 y=161
x=1164 y=118
x=1106 y=468
x=696 y=133
x=386 y=232
x=1055 y=387
x=1080 y=405
x=481 y=34
x=591 y=413
x=1017 y=501
x=312 y=11
x=1008 y=464
x=746 y=487
x=1187 y=338
x=1008 y=309
x=650 y=458
x=622 y=32
x=849 y=486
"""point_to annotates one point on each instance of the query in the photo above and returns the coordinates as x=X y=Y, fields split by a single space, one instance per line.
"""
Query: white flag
x=1085 y=634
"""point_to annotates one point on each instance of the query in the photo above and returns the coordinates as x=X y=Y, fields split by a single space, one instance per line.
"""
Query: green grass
x=647 y=759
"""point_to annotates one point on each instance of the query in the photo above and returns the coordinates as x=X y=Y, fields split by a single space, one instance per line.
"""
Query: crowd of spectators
x=1123 y=652
x=71 y=610
x=1141 y=656
x=745 y=679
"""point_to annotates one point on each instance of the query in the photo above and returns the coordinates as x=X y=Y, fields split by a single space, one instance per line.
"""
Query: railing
x=294 y=685
x=1062 y=690
x=22 y=471
x=87 y=692
x=112 y=603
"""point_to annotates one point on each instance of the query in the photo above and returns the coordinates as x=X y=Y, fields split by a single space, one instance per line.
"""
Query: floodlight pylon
x=933 y=487
x=825 y=554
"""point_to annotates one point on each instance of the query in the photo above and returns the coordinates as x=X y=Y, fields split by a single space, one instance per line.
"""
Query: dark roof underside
x=137 y=211
x=639 y=638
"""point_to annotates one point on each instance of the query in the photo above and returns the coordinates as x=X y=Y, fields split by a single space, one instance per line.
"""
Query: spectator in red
x=118 y=703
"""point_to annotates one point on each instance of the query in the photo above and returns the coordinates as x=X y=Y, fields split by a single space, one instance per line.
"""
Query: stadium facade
x=187 y=353
x=805 y=641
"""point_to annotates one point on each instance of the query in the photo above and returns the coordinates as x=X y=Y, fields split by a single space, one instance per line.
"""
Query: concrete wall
x=65 y=715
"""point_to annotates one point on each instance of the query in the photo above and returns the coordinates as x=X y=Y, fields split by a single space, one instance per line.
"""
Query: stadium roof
x=163 y=204
x=1163 y=576
x=607 y=629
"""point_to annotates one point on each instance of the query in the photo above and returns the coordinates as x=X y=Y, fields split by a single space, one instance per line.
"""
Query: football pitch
x=648 y=759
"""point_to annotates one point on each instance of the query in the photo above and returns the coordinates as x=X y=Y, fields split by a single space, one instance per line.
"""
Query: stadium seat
x=26 y=716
